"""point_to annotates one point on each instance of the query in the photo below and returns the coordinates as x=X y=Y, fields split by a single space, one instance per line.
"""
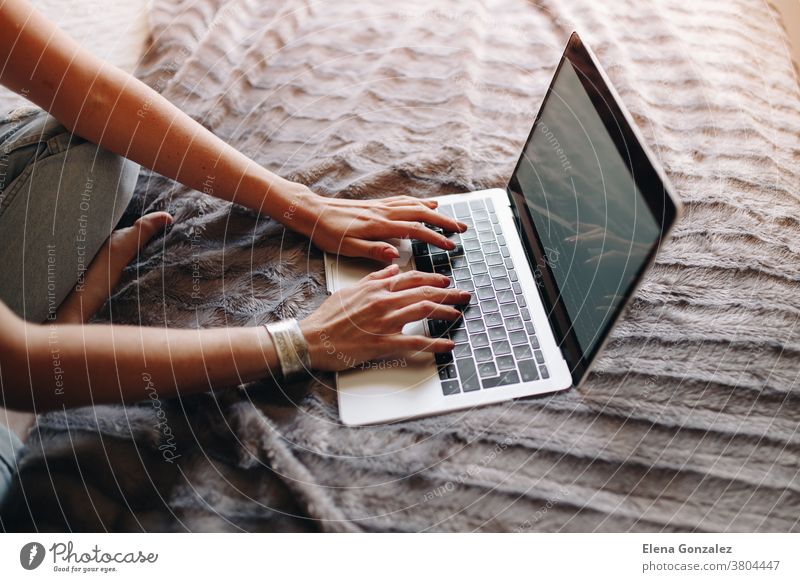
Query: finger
x=418 y=231
x=379 y=251
x=421 y=310
x=410 y=201
x=420 y=343
x=383 y=273
x=450 y=296
x=422 y=214
x=411 y=279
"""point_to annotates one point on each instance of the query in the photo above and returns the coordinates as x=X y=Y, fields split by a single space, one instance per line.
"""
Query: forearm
x=58 y=366
x=107 y=106
x=127 y=117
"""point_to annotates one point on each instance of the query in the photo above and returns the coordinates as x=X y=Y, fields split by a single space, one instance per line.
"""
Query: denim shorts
x=60 y=198
x=11 y=449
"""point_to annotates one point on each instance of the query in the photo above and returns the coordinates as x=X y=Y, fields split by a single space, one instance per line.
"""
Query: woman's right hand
x=365 y=322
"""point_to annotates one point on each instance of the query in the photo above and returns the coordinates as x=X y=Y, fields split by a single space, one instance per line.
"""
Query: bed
x=690 y=421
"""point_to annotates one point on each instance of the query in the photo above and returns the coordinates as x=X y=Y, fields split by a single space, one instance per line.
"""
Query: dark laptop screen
x=595 y=227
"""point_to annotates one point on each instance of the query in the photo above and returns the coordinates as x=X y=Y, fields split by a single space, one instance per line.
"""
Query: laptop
x=551 y=260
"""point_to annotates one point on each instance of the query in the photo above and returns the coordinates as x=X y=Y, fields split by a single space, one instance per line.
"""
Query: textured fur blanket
x=691 y=420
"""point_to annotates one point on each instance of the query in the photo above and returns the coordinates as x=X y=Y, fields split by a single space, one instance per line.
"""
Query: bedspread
x=690 y=421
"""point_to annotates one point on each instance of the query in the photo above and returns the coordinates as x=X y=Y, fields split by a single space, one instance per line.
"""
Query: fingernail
x=451 y=245
x=391 y=253
x=462 y=226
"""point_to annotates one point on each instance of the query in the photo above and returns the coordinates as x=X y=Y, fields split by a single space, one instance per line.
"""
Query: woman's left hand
x=360 y=228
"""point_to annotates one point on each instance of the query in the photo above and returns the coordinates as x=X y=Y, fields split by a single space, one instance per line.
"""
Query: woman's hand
x=365 y=322
x=360 y=228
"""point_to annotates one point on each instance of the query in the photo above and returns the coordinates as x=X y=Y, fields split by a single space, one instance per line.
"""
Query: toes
x=126 y=242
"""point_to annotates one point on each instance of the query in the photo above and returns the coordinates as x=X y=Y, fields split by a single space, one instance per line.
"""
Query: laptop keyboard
x=496 y=343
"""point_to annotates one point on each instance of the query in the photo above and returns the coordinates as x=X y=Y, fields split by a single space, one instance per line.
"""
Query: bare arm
x=45 y=367
x=107 y=106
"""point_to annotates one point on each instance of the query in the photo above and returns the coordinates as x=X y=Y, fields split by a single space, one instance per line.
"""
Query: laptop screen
x=596 y=229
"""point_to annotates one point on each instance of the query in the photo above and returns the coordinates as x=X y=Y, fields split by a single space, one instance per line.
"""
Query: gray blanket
x=689 y=423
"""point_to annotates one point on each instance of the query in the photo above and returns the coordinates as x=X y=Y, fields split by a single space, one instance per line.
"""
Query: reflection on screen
x=592 y=220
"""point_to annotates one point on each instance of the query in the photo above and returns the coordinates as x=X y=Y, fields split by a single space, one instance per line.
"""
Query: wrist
x=298 y=207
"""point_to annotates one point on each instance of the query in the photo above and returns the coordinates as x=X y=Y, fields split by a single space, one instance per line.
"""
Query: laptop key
x=471 y=244
x=451 y=371
x=523 y=352
x=508 y=262
x=539 y=357
x=535 y=342
x=518 y=338
x=543 y=371
x=462 y=351
x=482 y=280
x=472 y=312
x=447 y=210
x=501 y=348
x=506 y=254
x=459 y=336
x=466 y=285
x=494 y=260
x=491 y=248
x=440 y=259
x=505 y=363
x=450 y=387
x=497 y=271
x=484 y=293
x=498 y=229
x=526 y=315
x=483 y=355
x=458 y=262
x=461 y=209
x=509 y=310
x=517 y=288
x=468 y=374
x=477 y=204
x=444 y=359
x=513 y=323
x=475 y=257
x=443 y=373
x=521 y=301
x=497 y=334
x=529 y=328
x=504 y=379
x=479 y=340
x=462 y=274
x=489 y=306
x=512 y=275
x=528 y=370
x=479 y=268
x=475 y=326
x=501 y=240
x=505 y=296
x=423 y=264
x=483 y=225
x=419 y=248
x=486 y=237
x=502 y=284
x=487 y=370
x=493 y=319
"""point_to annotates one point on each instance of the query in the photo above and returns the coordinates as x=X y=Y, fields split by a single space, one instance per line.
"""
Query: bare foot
x=106 y=269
